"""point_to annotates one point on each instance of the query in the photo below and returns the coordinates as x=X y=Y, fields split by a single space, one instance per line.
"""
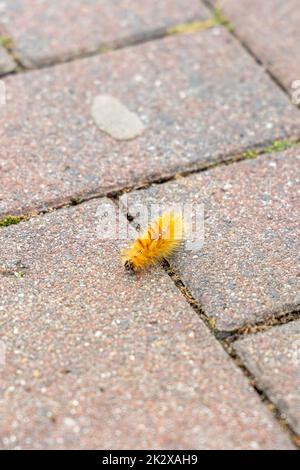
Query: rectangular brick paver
x=274 y=358
x=94 y=359
x=270 y=28
x=201 y=98
x=248 y=269
x=7 y=64
x=45 y=32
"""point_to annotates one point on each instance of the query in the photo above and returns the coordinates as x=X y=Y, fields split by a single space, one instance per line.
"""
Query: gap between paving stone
x=241 y=310
x=222 y=337
x=82 y=253
x=265 y=398
x=259 y=62
x=217 y=19
x=177 y=139
x=259 y=327
x=119 y=26
x=226 y=337
x=251 y=153
x=194 y=305
x=229 y=337
x=21 y=69
x=193 y=302
x=212 y=5
x=273 y=357
x=181 y=28
x=228 y=346
x=198 y=25
x=227 y=340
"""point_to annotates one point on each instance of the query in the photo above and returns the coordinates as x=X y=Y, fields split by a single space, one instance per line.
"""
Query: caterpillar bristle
x=159 y=241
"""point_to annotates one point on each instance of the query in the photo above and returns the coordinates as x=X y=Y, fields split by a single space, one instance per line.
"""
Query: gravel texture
x=96 y=358
x=274 y=358
x=45 y=32
x=270 y=28
x=200 y=96
x=248 y=269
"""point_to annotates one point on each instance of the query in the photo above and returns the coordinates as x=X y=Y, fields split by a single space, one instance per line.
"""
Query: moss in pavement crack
x=276 y=146
x=6 y=42
x=221 y=20
x=185 y=28
x=10 y=220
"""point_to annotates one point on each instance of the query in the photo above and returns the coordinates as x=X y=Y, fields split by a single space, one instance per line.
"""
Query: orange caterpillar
x=160 y=240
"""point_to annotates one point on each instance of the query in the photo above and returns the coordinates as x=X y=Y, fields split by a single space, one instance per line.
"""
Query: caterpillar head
x=129 y=266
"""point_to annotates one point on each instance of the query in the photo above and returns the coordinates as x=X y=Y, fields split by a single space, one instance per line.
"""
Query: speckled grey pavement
x=274 y=358
x=94 y=359
x=45 y=32
x=90 y=356
x=7 y=64
x=248 y=269
x=270 y=28
x=216 y=105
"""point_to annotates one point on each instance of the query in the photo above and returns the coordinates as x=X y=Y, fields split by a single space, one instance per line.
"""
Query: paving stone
x=274 y=358
x=271 y=30
x=200 y=97
x=45 y=32
x=248 y=269
x=94 y=359
x=7 y=64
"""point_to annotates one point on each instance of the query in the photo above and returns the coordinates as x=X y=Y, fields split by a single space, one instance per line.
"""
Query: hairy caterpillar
x=160 y=240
